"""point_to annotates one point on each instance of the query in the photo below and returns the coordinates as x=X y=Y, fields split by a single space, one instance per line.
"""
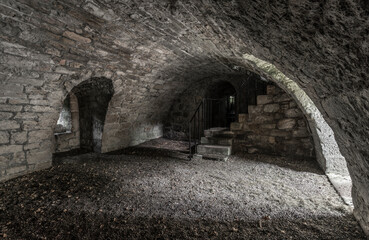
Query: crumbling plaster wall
x=153 y=50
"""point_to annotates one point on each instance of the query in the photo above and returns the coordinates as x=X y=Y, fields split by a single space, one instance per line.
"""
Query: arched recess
x=93 y=99
x=328 y=154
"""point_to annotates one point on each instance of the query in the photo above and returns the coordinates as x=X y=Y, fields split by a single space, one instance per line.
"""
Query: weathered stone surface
x=268 y=126
x=9 y=124
x=4 y=137
x=236 y=126
x=38 y=136
x=302 y=132
x=19 y=137
x=5 y=115
x=76 y=37
x=38 y=157
x=10 y=148
x=286 y=124
x=16 y=170
x=282 y=98
x=264 y=99
x=270 y=108
x=242 y=117
x=293 y=113
x=255 y=109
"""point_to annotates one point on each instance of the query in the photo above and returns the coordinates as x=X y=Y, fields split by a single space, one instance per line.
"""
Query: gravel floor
x=148 y=193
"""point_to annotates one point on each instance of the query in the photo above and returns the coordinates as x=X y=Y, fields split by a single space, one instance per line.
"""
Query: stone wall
x=70 y=140
x=274 y=126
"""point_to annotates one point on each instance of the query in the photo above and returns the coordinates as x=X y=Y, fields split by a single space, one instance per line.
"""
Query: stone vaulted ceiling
x=154 y=50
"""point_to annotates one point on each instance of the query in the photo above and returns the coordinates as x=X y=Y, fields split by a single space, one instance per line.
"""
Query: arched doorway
x=83 y=116
x=221 y=104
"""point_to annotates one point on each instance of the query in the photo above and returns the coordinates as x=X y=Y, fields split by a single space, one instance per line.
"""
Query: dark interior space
x=220 y=103
x=93 y=99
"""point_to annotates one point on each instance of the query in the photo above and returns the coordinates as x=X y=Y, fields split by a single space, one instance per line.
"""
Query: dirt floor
x=150 y=193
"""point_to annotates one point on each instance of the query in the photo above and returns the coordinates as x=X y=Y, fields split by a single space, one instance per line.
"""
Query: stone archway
x=328 y=153
x=93 y=99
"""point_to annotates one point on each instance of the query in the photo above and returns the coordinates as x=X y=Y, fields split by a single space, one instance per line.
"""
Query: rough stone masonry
x=152 y=51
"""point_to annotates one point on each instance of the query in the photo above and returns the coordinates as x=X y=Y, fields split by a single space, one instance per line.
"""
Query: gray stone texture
x=153 y=52
x=266 y=129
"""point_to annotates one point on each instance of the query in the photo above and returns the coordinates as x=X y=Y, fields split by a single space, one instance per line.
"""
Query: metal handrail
x=200 y=121
x=197 y=128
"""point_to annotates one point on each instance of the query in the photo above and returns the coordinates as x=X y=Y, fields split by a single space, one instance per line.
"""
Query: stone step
x=217 y=141
x=236 y=126
x=214 y=149
x=213 y=131
x=215 y=157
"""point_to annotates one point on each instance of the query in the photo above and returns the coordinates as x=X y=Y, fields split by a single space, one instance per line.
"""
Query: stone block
x=264 y=99
x=286 y=123
x=301 y=132
x=41 y=109
x=285 y=106
x=255 y=109
x=293 y=104
x=246 y=127
x=242 y=117
x=18 y=137
x=38 y=136
x=263 y=119
x=76 y=37
x=4 y=161
x=214 y=149
x=4 y=137
x=15 y=170
x=4 y=149
x=10 y=108
x=5 y=115
x=52 y=76
x=270 y=108
x=18 y=100
x=27 y=80
x=282 y=98
x=293 y=113
x=19 y=157
x=301 y=123
x=235 y=126
x=64 y=70
x=252 y=150
x=11 y=89
x=9 y=124
x=53 y=51
x=39 y=157
x=278 y=116
x=268 y=126
x=279 y=133
x=271 y=90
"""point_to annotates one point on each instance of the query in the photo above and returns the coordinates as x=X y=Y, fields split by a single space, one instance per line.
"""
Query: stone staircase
x=275 y=125
x=215 y=145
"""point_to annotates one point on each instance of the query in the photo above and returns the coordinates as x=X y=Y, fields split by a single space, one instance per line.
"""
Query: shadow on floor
x=55 y=223
x=299 y=165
